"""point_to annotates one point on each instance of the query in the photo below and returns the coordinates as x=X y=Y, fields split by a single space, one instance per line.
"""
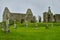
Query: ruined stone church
x=28 y=16
x=20 y=17
x=49 y=17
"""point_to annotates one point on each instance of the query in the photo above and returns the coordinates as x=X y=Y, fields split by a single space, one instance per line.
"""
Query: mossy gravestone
x=3 y=26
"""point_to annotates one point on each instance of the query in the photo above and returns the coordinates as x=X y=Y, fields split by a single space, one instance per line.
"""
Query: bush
x=11 y=22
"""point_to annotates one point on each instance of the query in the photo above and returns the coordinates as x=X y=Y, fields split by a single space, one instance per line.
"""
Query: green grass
x=30 y=33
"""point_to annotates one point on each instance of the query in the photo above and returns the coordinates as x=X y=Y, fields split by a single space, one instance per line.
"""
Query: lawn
x=31 y=33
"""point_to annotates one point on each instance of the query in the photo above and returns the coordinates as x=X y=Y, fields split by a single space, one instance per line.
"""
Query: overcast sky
x=37 y=6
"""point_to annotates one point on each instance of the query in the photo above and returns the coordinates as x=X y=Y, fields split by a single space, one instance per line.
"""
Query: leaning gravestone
x=15 y=24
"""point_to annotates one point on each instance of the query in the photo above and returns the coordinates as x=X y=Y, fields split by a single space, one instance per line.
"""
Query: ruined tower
x=29 y=15
x=6 y=14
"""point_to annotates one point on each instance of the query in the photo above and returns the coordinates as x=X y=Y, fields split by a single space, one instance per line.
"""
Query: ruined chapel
x=20 y=17
x=50 y=17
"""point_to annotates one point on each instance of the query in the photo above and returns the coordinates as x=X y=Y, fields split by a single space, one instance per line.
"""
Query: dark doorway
x=22 y=20
x=48 y=18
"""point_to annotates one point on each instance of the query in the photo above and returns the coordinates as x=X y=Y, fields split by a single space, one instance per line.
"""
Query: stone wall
x=57 y=17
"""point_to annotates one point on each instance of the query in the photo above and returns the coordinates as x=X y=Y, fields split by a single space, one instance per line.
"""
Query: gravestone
x=3 y=29
x=26 y=23
x=36 y=25
x=46 y=26
x=46 y=23
x=15 y=24
x=7 y=25
x=52 y=22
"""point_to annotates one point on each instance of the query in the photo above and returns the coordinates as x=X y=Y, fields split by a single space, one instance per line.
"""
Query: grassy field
x=31 y=33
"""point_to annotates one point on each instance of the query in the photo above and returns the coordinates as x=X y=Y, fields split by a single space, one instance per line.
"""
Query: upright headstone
x=26 y=21
x=26 y=24
x=15 y=24
x=46 y=24
x=36 y=25
x=52 y=22
x=7 y=25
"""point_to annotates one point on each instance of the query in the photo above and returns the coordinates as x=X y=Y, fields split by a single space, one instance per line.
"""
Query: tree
x=39 y=18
